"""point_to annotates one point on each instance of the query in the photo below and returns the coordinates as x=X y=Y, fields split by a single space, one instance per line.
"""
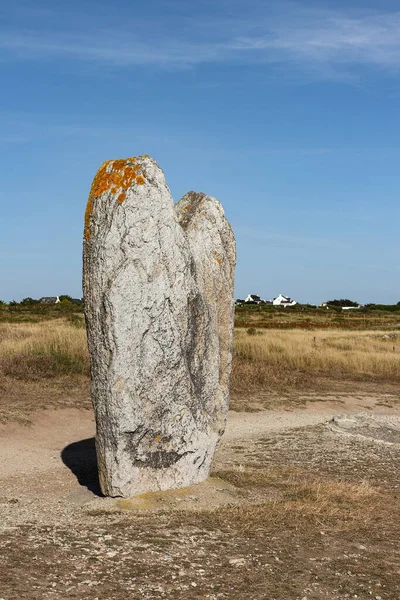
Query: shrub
x=252 y=331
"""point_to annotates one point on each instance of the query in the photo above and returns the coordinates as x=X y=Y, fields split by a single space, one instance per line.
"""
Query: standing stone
x=158 y=287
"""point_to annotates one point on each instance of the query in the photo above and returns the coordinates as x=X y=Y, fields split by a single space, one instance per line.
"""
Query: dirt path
x=36 y=448
x=243 y=426
x=51 y=463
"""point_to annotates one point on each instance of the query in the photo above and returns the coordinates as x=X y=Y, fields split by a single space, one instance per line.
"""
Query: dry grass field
x=45 y=349
x=309 y=319
x=272 y=358
x=42 y=365
x=46 y=358
x=296 y=359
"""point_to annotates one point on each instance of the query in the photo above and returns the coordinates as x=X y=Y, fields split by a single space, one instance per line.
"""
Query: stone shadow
x=80 y=457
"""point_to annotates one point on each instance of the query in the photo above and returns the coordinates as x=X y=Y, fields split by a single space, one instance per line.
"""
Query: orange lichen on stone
x=217 y=258
x=158 y=438
x=185 y=208
x=113 y=175
x=98 y=186
x=119 y=164
x=88 y=212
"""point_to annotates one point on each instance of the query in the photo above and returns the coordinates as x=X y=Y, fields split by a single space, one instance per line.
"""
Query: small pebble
x=237 y=561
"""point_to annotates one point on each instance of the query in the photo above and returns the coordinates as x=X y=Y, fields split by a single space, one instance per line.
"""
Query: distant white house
x=49 y=300
x=326 y=305
x=254 y=298
x=284 y=301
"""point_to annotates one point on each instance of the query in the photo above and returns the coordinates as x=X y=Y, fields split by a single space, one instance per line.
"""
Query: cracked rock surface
x=158 y=286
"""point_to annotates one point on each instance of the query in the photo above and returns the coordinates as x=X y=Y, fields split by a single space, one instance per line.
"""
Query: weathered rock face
x=158 y=287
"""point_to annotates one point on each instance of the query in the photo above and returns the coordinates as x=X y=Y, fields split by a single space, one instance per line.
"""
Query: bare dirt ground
x=298 y=507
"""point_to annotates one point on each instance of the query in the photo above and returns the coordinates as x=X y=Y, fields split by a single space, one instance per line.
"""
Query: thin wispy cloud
x=262 y=237
x=330 y=44
x=334 y=38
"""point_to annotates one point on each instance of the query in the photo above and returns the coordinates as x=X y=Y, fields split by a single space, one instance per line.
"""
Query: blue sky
x=288 y=112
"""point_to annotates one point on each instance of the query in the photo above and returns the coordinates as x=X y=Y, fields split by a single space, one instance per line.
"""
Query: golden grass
x=290 y=358
x=43 y=349
x=268 y=360
x=293 y=498
x=333 y=506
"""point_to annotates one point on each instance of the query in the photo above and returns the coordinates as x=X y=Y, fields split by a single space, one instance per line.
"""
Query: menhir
x=158 y=286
